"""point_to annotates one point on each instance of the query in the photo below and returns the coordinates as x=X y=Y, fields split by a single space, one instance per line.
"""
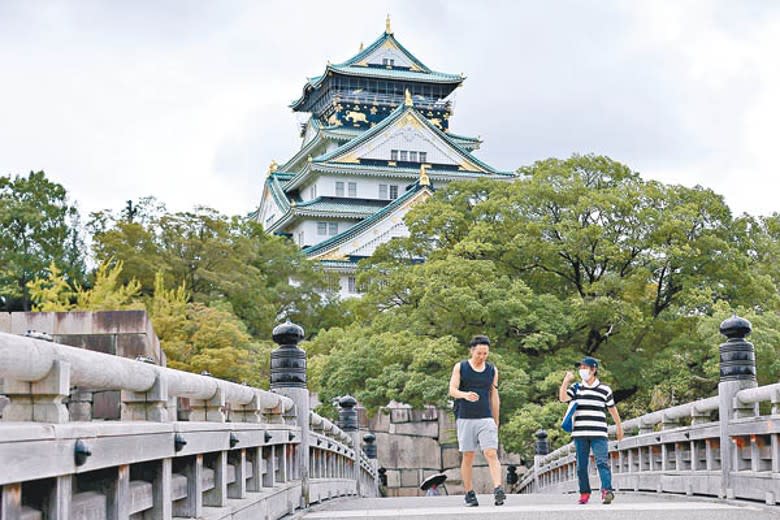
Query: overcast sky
x=188 y=101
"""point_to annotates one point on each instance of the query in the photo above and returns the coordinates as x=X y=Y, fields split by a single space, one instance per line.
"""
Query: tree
x=219 y=259
x=580 y=256
x=55 y=294
x=38 y=226
x=199 y=338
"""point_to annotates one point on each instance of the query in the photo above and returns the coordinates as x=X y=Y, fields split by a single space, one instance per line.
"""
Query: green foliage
x=55 y=294
x=38 y=227
x=219 y=259
x=579 y=257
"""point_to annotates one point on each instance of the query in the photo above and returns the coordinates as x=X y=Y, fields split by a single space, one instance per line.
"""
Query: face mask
x=584 y=374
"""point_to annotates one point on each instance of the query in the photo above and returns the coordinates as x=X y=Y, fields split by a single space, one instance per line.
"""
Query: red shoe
x=584 y=497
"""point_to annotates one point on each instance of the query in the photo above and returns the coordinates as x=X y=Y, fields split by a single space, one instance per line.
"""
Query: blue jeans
x=583 y=446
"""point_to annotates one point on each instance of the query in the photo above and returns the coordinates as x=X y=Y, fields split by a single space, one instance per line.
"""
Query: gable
x=389 y=49
x=411 y=132
x=363 y=238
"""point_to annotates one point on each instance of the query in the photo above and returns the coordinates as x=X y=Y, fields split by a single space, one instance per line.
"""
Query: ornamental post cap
x=541 y=434
x=347 y=401
x=735 y=327
x=369 y=438
x=287 y=333
x=388 y=30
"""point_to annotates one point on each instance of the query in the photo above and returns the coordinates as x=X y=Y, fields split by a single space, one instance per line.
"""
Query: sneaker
x=584 y=497
x=471 y=499
x=607 y=496
x=499 y=495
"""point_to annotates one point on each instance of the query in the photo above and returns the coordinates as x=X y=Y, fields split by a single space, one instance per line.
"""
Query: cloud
x=189 y=101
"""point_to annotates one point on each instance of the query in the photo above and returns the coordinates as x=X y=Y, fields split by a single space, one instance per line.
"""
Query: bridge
x=240 y=452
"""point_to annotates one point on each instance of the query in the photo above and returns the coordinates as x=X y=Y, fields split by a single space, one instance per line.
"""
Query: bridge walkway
x=631 y=506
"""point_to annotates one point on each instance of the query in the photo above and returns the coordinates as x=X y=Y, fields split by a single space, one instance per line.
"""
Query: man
x=590 y=425
x=474 y=385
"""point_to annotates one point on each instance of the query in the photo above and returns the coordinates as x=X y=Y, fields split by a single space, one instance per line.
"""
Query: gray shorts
x=477 y=433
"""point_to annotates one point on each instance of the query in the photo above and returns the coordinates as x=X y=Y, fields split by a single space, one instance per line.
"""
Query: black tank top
x=479 y=382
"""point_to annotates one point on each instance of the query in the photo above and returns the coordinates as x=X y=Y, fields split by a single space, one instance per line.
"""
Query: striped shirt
x=590 y=417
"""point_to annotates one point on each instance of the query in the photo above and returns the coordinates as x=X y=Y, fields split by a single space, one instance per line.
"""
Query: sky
x=188 y=101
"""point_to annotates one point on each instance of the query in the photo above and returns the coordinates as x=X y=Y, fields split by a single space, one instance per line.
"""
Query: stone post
x=542 y=449
x=348 y=421
x=288 y=378
x=737 y=372
x=370 y=449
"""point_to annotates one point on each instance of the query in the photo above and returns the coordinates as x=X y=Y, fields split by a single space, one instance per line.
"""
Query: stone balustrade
x=234 y=451
x=721 y=446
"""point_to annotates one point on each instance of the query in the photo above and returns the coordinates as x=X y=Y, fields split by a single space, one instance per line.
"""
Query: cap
x=587 y=361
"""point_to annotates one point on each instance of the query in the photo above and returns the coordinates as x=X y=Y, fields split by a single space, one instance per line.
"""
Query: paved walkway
x=541 y=507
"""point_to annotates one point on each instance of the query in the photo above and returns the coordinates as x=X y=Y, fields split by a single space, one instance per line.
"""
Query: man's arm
x=455 y=383
x=618 y=424
x=495 y=401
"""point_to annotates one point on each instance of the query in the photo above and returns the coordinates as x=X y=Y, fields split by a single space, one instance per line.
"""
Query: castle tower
x=379 y=123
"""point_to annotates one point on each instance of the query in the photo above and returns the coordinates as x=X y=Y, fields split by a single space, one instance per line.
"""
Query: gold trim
x=424 y=179
x=408 y=99
x=388 y=29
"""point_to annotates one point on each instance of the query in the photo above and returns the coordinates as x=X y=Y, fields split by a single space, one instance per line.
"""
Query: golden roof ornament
x=272 y=167
x=309 y=158
x=388 y=30
x=408 y=99
x=424 y=179
x=361 y=47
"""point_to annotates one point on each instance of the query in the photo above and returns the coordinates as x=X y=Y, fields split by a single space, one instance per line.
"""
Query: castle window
x=353 y=189
x=383 y=191
x=404 y=155
x=388 y=62
x=300 y=238
x=393 y=155
x=423 y=156
x=333 y=228
x=393 y=191
x=351 y=284
x=313 y=192
x=413 y=156
x=339 y=189
x=322 y=228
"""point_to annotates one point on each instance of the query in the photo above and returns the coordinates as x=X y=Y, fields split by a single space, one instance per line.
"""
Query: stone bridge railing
x=722 y=446
x=235 y=451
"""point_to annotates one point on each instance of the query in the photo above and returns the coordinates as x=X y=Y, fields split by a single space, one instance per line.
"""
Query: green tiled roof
x=364 y=224
x=378 y=43
x=396 y=73
x=350 y=68
x=362 y=207
x=277 y=192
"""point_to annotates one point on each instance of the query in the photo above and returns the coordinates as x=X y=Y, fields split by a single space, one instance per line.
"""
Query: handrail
x=705 y=457
x=30 y=360
x=759 y=394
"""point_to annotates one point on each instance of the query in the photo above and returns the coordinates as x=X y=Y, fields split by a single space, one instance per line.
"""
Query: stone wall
x=414 y=444
x=121 y=333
